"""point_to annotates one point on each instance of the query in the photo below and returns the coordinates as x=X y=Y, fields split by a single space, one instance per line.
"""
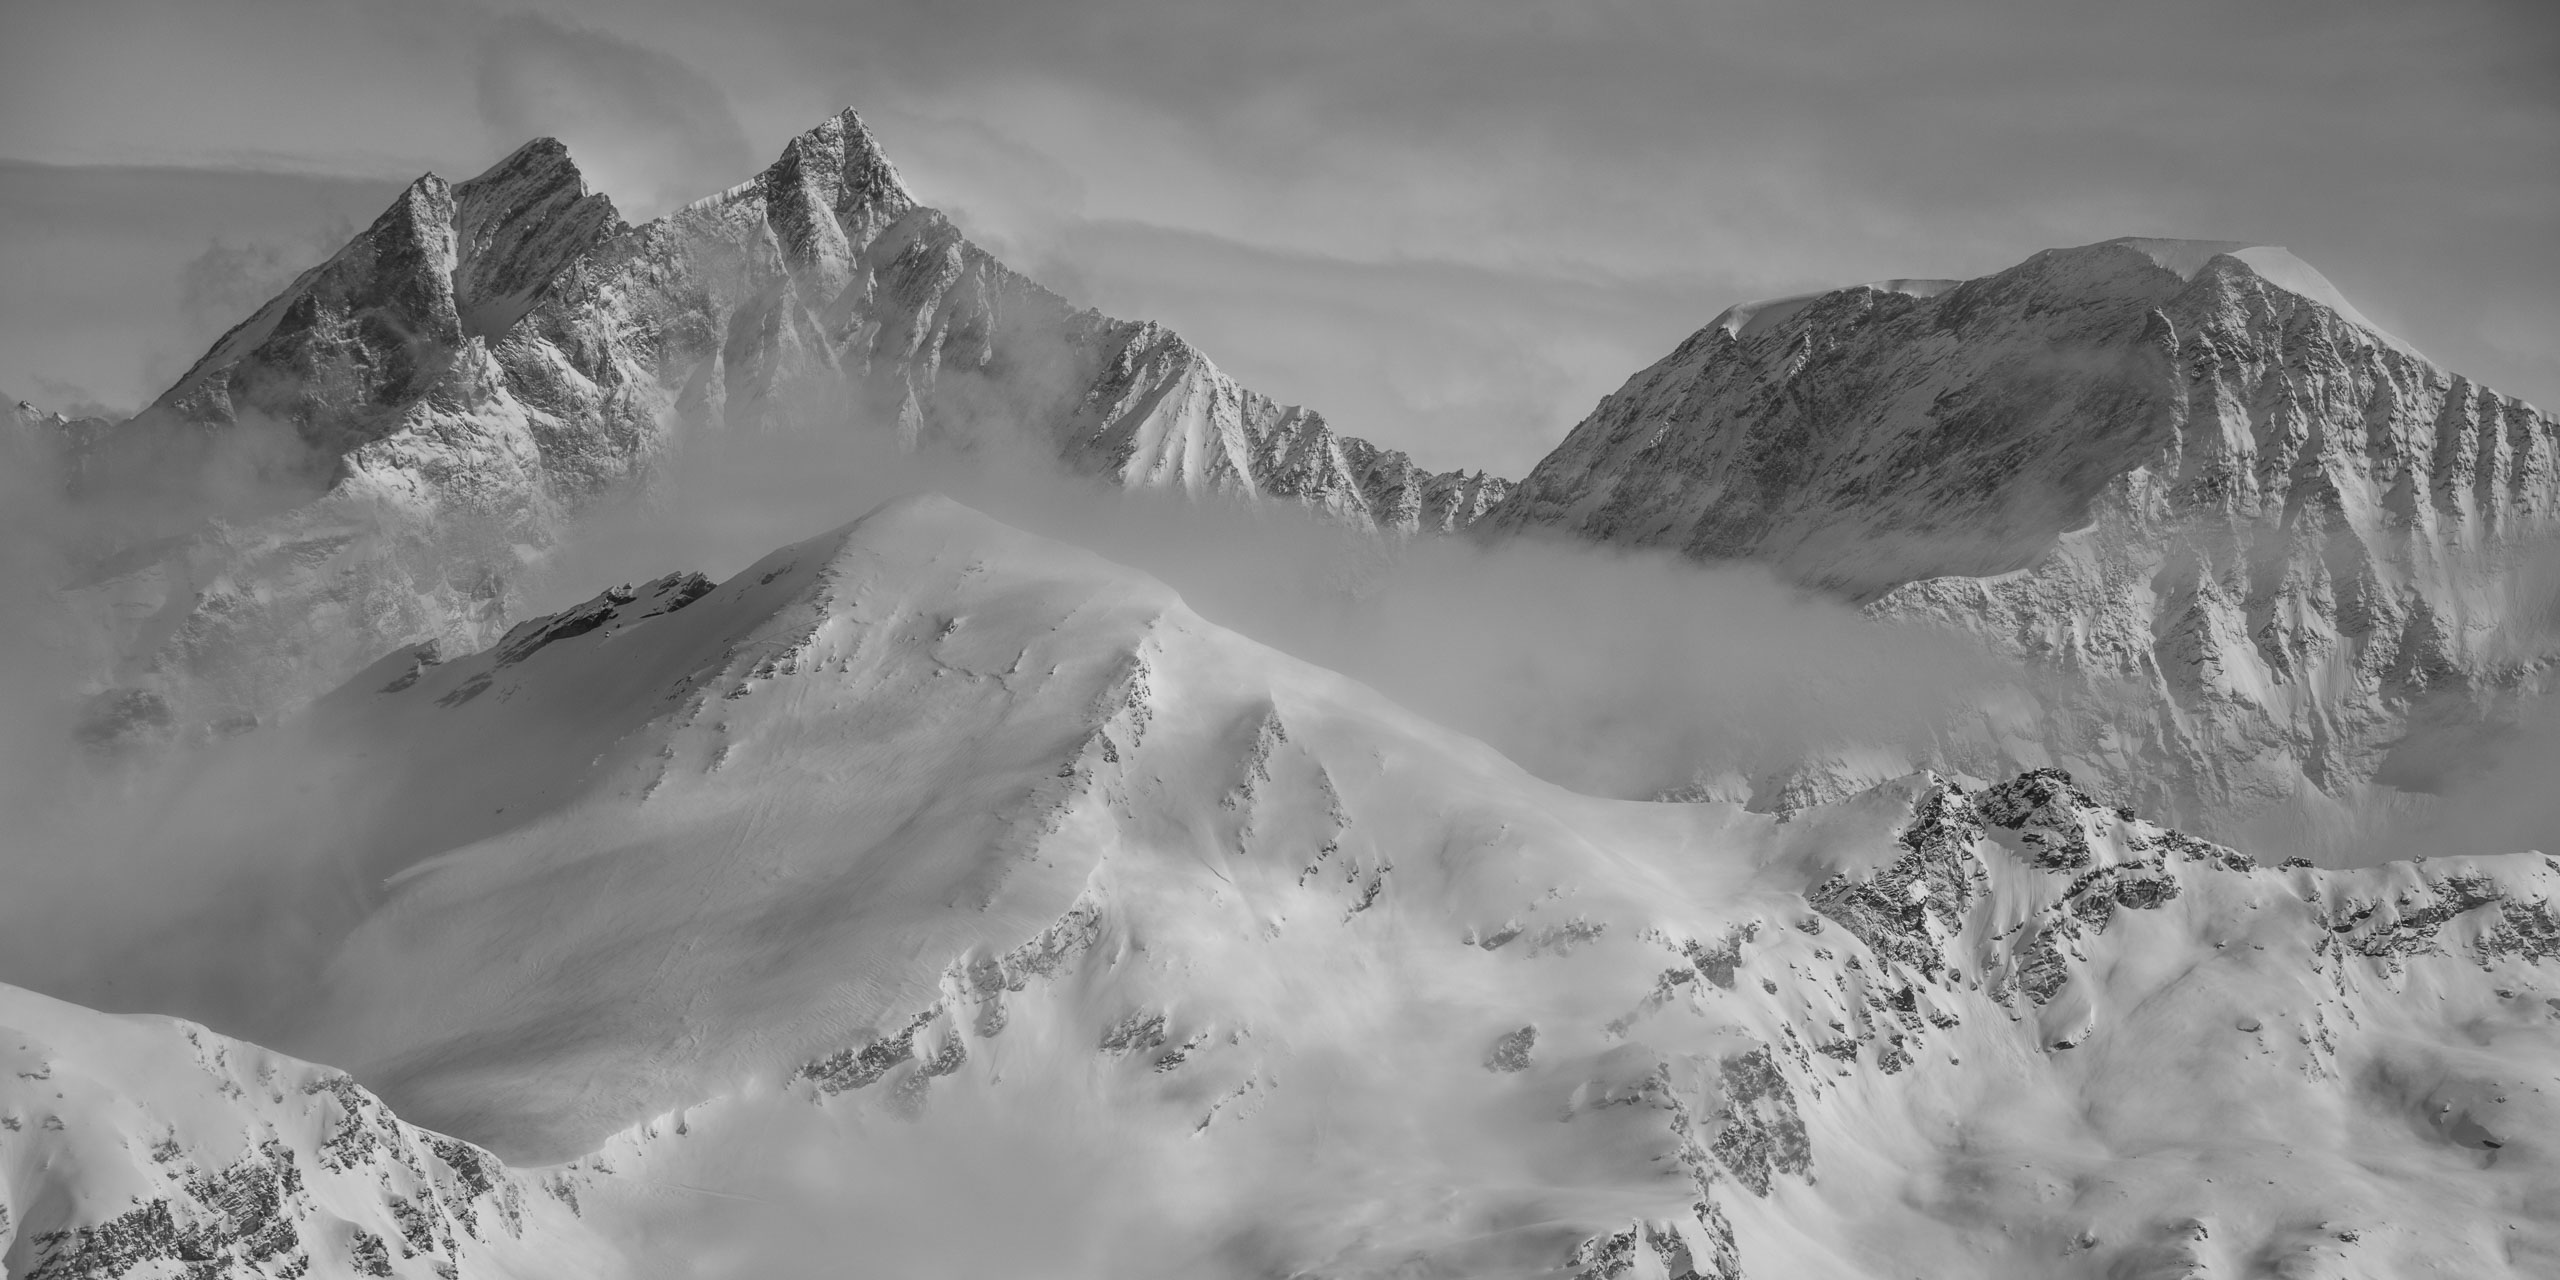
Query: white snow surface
x=2272 y=263
x=1751 y=319
x=2183 y=258
x=135 y=1146
x=933 y=899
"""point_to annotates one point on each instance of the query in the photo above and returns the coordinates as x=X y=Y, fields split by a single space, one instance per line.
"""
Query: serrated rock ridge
x=439 y=399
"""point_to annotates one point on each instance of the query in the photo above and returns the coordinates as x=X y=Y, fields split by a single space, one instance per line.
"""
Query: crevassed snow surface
x=932 y=899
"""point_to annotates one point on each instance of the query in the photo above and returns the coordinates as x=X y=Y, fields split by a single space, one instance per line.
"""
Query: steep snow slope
x=823 y=281
x=151 y=1147
x=2259 y=535
x=932 y=897
x=389 y=437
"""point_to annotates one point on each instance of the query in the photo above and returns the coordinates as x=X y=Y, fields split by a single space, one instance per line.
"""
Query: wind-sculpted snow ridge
x=148 y=1147
x=2261 y=540
x=927 y=876
x=434 y=401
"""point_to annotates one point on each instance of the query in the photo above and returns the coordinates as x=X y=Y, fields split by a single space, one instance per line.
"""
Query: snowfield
x=144 y=1146
x=929 y=898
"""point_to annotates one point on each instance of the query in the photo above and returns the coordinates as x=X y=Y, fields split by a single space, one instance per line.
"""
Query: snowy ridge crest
x=925 y=824
x=149 y=1146
x=2251 y=536
x=497 y=354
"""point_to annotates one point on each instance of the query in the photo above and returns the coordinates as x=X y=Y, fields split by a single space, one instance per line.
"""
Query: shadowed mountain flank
x=2262 y=540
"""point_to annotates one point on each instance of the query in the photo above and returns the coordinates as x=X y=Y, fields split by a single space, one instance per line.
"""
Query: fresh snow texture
x=930 y=898
x=2269 y=262
x=141 y=1146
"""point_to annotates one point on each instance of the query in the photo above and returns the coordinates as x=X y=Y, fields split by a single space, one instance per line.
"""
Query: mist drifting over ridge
x=1163 y=835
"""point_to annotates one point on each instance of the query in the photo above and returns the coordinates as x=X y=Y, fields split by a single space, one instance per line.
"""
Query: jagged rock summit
x=2261 y=536
x=925 y=864
x=821 y=284
x=410 y=418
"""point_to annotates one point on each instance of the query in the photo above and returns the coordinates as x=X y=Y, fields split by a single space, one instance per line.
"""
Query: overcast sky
x=1451 y=225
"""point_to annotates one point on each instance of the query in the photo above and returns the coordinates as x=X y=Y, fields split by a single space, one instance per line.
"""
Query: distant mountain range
x=2277 y=560
x=933 y=898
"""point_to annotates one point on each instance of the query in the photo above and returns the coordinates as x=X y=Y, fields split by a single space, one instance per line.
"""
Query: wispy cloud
x=114 y=279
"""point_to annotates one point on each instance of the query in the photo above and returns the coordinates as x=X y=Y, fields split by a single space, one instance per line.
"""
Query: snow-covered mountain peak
x=364 y=332
x=2107 y=267
x=2182 y=258
x=780 y=743
x=544 y=160
x=836 y=168
x=2274 y=264
x=930 y=872
x=2182 y=467
x=516 y=227
x=1750 y=319
x=472 y=372
x=843 y=159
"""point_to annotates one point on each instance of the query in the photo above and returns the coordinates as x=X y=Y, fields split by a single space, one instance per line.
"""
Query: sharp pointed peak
x=846 y=121
x=843 y=128
x=840 y=154
x=541 y=172
x=428 y=198
x=544 y=155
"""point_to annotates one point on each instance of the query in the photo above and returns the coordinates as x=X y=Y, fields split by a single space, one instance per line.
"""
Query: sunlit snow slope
x=2274 y=558
x=152 y=1147
x=931 y=899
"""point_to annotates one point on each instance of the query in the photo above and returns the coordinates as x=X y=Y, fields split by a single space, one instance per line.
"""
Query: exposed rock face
x=822 y=288
x=2259 y=535
x=923 y=828
x=390 y=435
x=150 y=1147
